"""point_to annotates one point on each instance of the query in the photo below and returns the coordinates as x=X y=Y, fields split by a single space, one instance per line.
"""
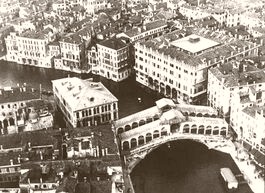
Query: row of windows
x=9 y=170
x=96 y=110
x=69 y=46
x=9 y=106
x=32 y=42
x=165 y=69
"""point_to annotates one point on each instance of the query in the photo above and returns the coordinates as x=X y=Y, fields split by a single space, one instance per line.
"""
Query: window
x=77 y=115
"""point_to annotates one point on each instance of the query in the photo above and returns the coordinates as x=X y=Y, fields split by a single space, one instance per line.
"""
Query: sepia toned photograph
x=132 y=96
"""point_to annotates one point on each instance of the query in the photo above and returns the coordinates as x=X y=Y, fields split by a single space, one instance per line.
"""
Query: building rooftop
x=208 y=53
x=207 y=120
x=113 y=43
x=148 y=26
x=235 y=73
x=196 y=109
x=39 y=172
x=139 y=130
x=254 y=110
x=35 y=34
x=10 y=158
x=194 y=43
x=36 y=138
x=81 y=94
x=102 y=136
x=150 y=112
x=14 y=94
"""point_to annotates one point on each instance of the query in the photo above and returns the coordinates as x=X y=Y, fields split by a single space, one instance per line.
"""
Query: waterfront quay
x=128 y=94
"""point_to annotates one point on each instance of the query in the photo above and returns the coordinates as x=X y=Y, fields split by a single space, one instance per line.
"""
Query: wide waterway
x=127 y=91
x=183 y=168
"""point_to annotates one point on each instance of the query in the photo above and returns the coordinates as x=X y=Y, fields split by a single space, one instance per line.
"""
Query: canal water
x=184 y=166
x=127 y=91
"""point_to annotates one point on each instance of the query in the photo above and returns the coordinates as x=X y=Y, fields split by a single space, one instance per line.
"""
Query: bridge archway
x=127 y=127
x=134 y=125
x=141 y=122
x=133 y=143
x=148 y=137
x=131 y=163
x=141 y=140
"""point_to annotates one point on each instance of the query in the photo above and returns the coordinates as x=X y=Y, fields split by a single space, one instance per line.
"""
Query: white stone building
x=84 y=102
x=113 y=59
x=147 y=31
x=29 y=48
x=72 y=54
x=176 y=66
x=233 y=77
x=248 y=120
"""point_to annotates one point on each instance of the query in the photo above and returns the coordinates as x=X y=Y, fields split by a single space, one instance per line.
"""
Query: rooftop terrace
x=194 y=43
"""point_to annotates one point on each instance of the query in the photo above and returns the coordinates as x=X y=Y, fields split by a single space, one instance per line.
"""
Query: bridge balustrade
x=185 y=129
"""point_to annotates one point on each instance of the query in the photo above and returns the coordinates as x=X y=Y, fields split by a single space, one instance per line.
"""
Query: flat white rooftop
x=194 y=43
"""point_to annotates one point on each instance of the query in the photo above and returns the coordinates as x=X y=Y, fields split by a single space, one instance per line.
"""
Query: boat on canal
x=229 y=178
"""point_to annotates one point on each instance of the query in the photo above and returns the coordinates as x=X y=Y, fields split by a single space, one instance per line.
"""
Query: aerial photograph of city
x=132 y=96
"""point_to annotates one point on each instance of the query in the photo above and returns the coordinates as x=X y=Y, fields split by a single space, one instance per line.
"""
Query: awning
x=246 y=145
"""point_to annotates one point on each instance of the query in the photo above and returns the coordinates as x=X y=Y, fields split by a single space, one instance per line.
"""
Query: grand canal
x=127 y=92
x=185 y=167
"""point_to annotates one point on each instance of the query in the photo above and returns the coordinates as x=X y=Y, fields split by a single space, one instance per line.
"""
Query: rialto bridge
x=140 y=133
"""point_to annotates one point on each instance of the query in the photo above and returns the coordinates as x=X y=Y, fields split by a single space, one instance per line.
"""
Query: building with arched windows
x=168 y=119
x=13 y=107
x=176 y=64
x=84 y=102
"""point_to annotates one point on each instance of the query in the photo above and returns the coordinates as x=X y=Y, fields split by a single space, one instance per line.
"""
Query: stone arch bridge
x=140 y=133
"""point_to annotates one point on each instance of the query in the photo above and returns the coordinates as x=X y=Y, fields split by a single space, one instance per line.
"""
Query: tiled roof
x=82 y=94
x=196 y=109
x=235 y=76
x=34 y=34
x=18 y=94
x=227 y=45
x=71 y=38
x=150 y=112
x=148 y=26
x=101 y=186
x=36 y=173
x=36 y=138
x=6 y=157
x=259 y=29
x=113 y=43
x=103 y=136
x=251 y=111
